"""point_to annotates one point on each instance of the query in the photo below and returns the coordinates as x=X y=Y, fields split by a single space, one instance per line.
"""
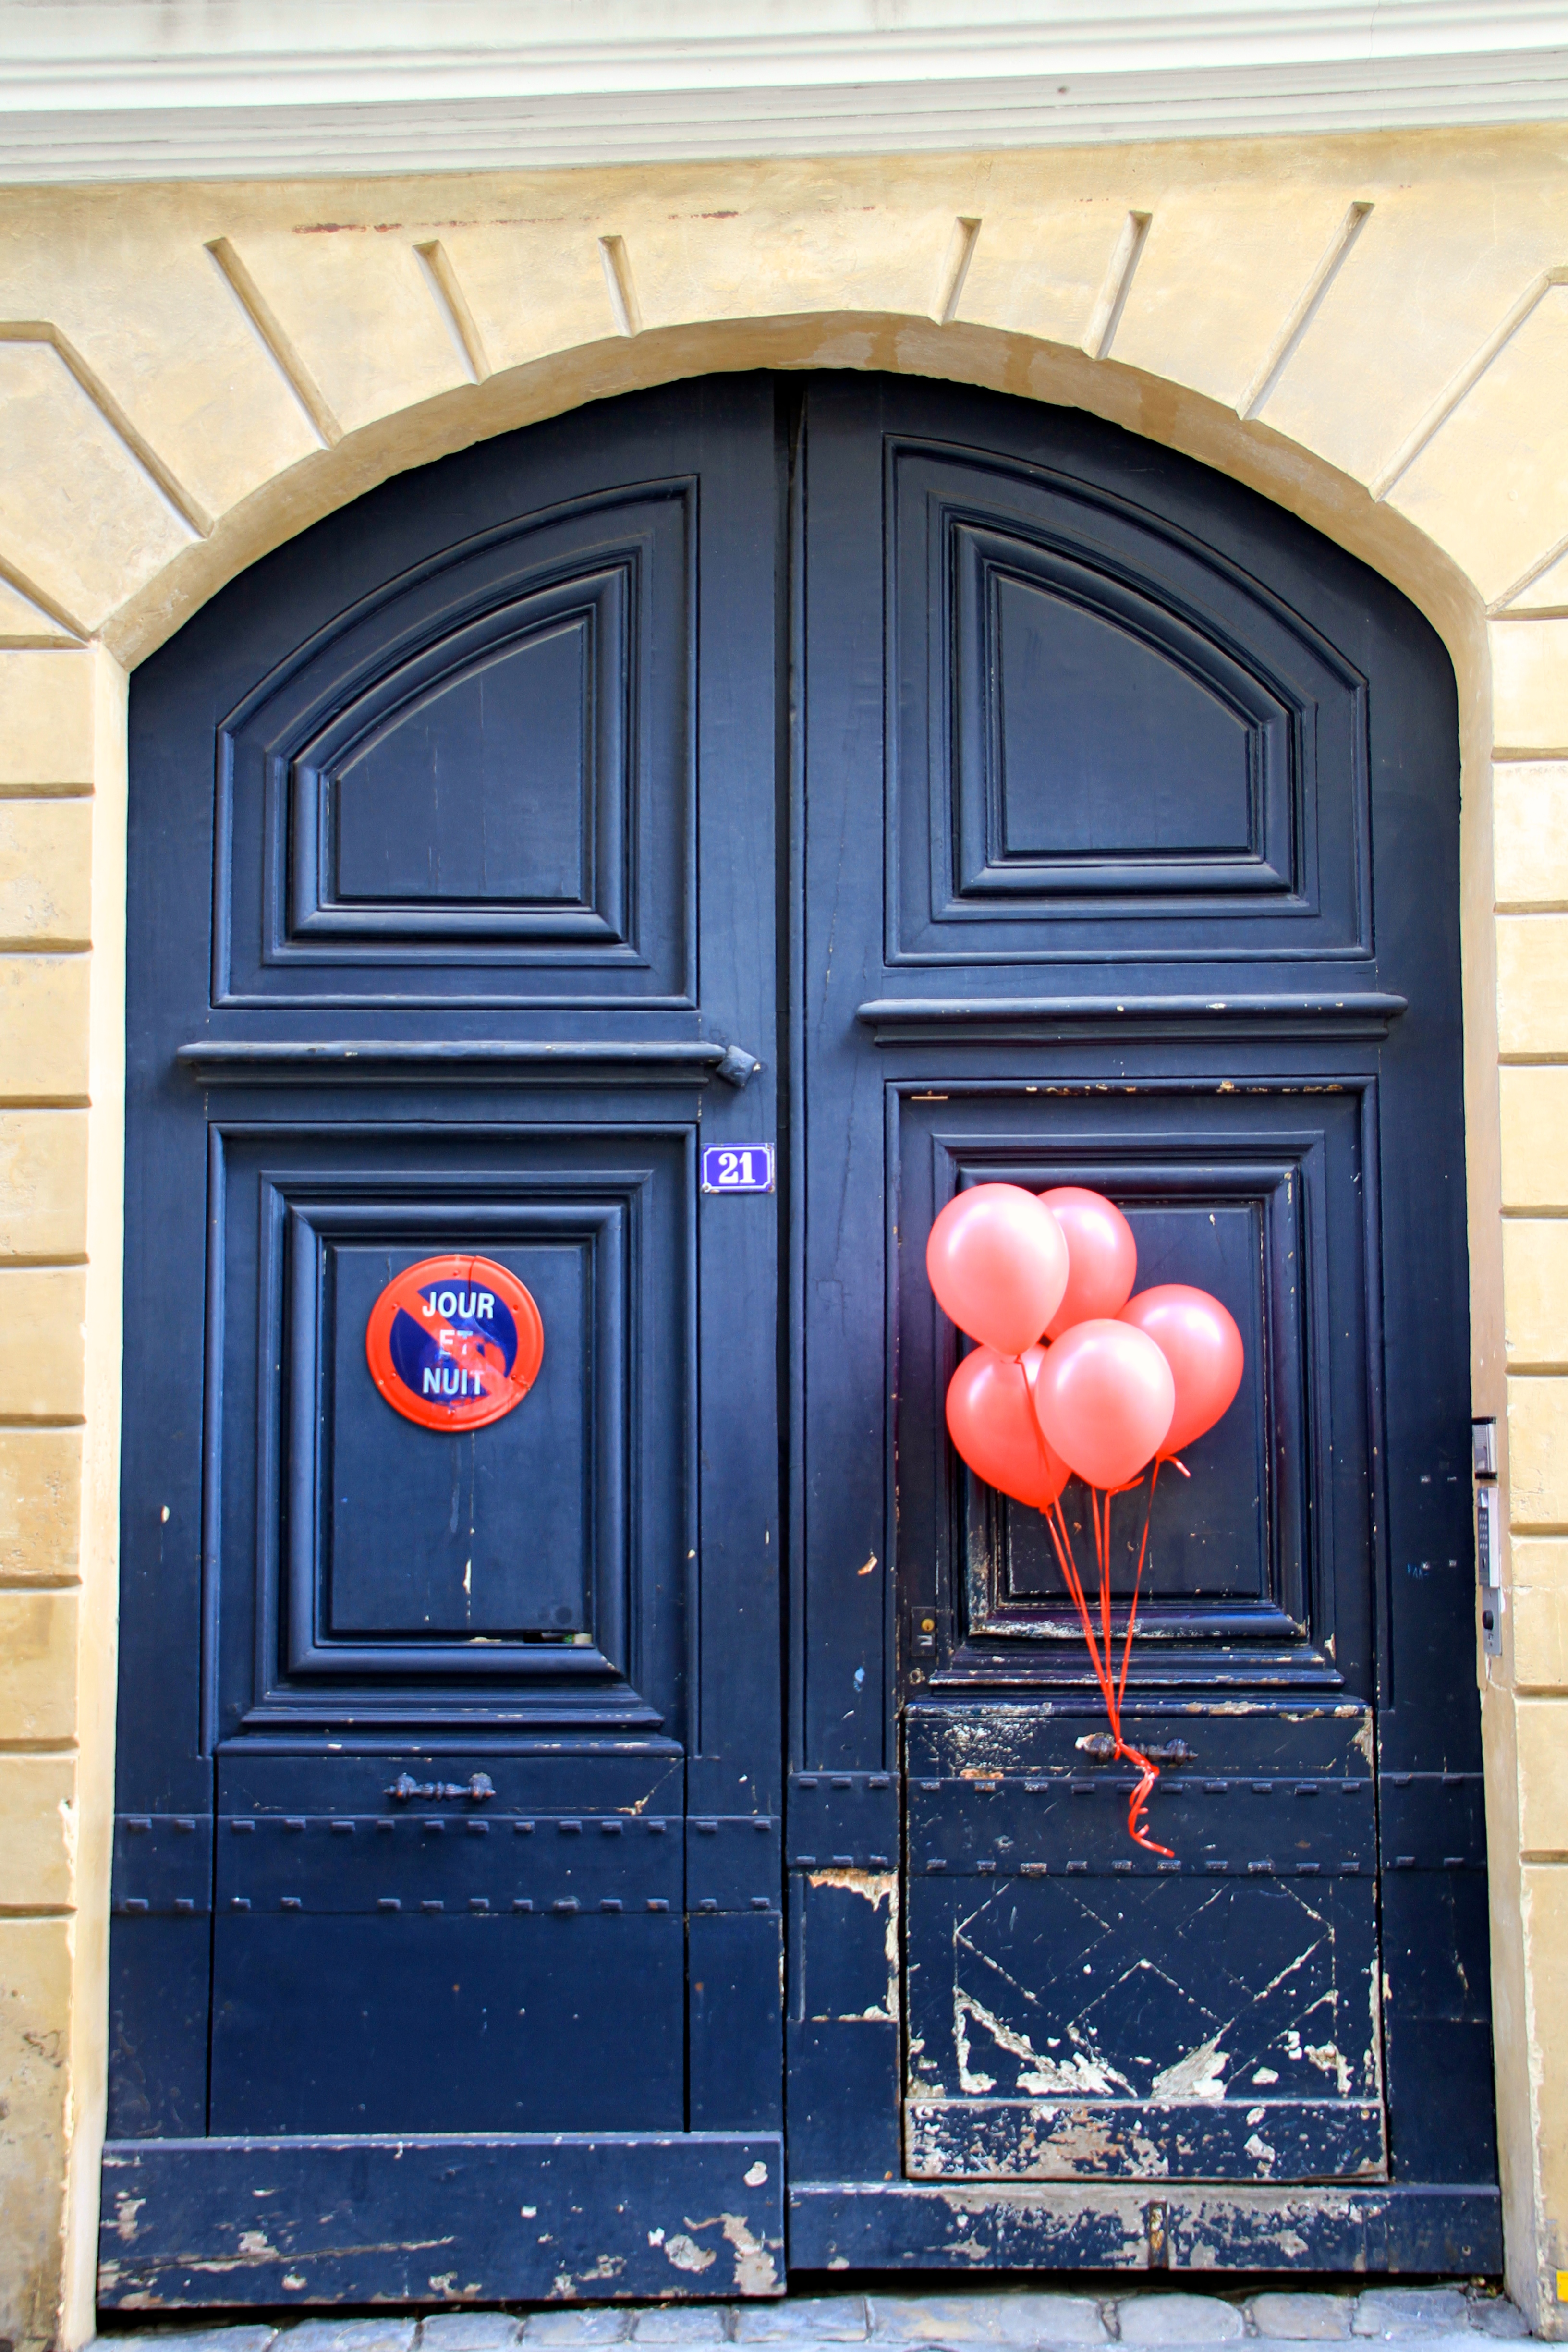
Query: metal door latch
x=1489 y=1533
x=479 y=1788
x=1103 y=1748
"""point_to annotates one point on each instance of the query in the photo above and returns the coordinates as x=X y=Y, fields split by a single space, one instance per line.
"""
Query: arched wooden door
x=650 y=862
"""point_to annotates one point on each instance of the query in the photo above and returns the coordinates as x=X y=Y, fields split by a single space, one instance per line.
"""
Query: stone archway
x=190 y=375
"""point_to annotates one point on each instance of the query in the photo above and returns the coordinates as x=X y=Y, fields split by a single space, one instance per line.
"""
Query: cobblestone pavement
x=999 y=2319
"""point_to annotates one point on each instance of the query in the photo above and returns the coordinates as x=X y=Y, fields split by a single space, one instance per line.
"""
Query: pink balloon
x=1105 y=1395
x=1198 y=1339
x=998 y=1264
x=1102 y=1256
x=990 y=1415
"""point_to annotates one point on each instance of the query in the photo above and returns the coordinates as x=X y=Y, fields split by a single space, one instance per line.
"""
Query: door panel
x=1112 y=740
x=374 y=1570
x=1256 y=1193
x=446 y=1908
x=1079 y=2008
x=474 y=782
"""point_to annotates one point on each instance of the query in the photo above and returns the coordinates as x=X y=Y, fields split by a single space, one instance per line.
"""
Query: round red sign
x=455 y=1342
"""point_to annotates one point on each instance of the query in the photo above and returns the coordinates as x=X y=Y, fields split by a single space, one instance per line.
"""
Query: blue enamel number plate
x=738 y=1168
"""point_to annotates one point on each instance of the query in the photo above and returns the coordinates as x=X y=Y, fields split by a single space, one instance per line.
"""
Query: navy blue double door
x=521 y=1823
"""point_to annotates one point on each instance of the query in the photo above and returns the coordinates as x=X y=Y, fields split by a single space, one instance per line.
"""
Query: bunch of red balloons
x=1122 y=1382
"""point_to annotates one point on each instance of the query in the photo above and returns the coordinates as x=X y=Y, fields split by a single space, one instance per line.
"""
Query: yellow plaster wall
x=1373 y=331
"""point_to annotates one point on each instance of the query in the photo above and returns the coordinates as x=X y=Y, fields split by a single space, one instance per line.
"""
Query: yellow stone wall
x=1373 y=331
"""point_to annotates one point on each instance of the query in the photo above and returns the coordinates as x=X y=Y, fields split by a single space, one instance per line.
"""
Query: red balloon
x=1200 y=1341
x=1105 y=1395
x=1102 y=1256
x=991 y=1417
x=998 y=1264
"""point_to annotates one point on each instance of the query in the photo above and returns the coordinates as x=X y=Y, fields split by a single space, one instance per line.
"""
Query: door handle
x=479 y=1788
x=1102 y=1748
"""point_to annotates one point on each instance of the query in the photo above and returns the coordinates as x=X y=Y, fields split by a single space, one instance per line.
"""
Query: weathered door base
x=539 y=2218
x=839 y=2226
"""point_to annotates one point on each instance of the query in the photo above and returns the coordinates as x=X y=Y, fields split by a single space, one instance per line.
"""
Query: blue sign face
x=738 y=1168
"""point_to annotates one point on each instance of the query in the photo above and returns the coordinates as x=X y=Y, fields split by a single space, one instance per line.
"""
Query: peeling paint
x=756 y=2272
x=875 y=1887
x=686 y=2254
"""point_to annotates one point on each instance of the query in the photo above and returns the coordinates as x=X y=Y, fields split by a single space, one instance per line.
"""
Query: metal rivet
x=477 y=1829
x=290 y=1903
x=569 y=1829
x=342 y=1829
x=139 y=1828
x=478 y=1902
x=432 y=1903
x=135 y=1902
x=239 y=1903
x=186 y=1823
x=657 y=1902
x=522 y=1903
x=761 y=1903
x=294 y=1822
x=388 y=1903
x=522 y=1829
x=708 y=1903
x=185 y=1902
x=565 y=1904
x=242 y=1829
x=611 y=1903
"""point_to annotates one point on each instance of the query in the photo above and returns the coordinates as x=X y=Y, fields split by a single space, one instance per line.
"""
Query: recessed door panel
x=1101 y=721
x=1255 y=1194
x=475 y=785
x=422 y=1569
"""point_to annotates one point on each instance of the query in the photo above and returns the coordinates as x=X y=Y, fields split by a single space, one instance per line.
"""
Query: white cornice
x=97 y=89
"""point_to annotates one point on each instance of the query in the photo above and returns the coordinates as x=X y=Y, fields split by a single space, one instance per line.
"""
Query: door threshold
x=1144 y=2226
x=438 y=2218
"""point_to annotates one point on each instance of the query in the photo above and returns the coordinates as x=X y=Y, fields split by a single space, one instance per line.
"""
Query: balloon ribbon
x=1101 y=1659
